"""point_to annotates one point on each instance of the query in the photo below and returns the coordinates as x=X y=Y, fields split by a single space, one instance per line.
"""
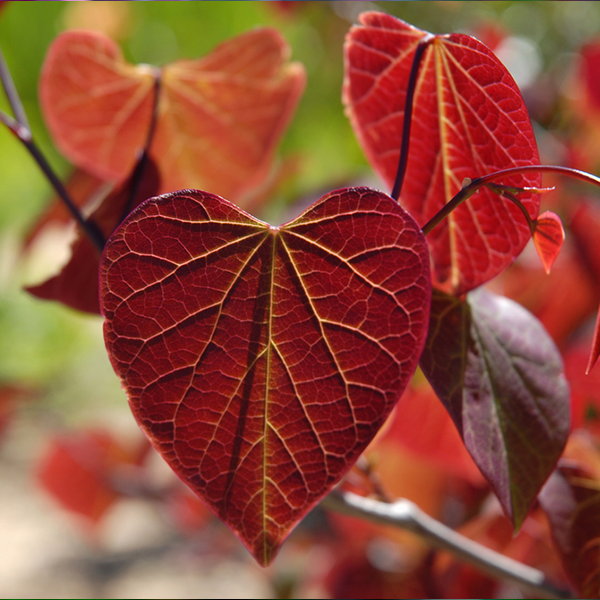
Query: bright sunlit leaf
x=469 y=120
x=262 y=360
x=220 y=117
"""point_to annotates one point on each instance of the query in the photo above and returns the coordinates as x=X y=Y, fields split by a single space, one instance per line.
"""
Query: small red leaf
x=219 y=117
x=261 y=360
x=469 y=119
x=77 y=283
x=548 y=237
x=501 y=378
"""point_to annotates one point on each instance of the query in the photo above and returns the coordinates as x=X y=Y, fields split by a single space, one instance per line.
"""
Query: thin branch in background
x=12 y=95
x=19 y=126
x=407 y=119
x=407 y=515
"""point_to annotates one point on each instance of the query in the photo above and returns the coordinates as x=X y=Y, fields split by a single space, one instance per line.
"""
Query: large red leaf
x=501 y=378
x=262 y=360
x=220 y=117
x=469 y=120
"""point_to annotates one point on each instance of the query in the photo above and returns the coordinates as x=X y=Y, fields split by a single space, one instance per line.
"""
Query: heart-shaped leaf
x=468 y=120
x=501 y=378
x=219 y=117
x=262 y=360
x=97 y=107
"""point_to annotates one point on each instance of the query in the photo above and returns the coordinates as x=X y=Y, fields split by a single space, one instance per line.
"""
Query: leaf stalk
x=407 y=118
x=476 y=184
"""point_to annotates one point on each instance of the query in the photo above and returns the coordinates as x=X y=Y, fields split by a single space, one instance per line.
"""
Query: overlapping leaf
x=220 y=117
x=469 y=120
x=501 y=378
x=76 y=285
x=261 y=361
x=571 y=499
x=83 y=189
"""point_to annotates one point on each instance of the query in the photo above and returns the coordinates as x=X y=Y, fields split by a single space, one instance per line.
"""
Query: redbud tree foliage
x=278 y=366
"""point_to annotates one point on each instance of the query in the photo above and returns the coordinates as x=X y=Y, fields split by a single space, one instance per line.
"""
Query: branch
x=476 y=184
x=19 y=126
x=11 y=93
x=407 y=515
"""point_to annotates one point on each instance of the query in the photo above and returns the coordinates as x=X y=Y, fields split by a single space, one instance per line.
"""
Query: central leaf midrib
x=275 y=238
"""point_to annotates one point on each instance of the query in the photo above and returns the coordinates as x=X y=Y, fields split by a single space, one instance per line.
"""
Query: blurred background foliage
x=39 y=340
x=57 y=355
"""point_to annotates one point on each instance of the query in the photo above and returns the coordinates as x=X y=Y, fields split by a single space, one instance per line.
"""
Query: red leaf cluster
x=219 y=117
x=261 y=361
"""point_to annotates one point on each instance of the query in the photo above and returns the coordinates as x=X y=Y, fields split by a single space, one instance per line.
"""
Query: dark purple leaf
x=501 y=378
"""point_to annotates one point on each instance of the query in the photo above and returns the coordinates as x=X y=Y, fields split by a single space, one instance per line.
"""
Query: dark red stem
x=408 y=109
x=478 y=183
x=19 y=126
